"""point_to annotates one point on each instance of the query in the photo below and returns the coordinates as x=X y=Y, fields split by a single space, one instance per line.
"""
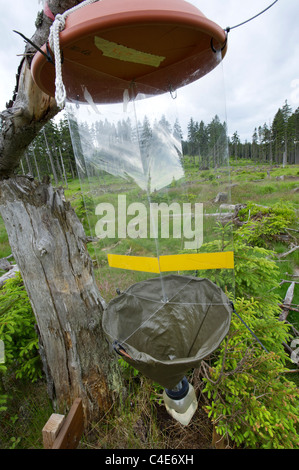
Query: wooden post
x=64 y=433
x=51 y=429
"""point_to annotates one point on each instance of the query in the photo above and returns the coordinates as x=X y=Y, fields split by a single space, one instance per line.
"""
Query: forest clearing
x=267 y=264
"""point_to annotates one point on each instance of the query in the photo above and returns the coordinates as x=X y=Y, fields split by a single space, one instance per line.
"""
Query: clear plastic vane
x=154 y=171
x=128 y=149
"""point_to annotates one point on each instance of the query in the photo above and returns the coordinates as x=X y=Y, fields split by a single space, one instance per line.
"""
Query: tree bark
x=48 y=244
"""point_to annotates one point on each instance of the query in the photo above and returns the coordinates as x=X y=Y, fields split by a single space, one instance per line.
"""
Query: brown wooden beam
x=67 y=431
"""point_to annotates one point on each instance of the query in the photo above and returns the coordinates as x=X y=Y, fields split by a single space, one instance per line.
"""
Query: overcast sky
x=260 y=69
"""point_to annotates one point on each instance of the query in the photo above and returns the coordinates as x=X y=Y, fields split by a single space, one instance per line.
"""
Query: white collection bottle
x=181 y=402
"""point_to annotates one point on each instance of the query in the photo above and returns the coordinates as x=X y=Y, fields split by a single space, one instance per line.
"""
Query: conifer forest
x=274 y=143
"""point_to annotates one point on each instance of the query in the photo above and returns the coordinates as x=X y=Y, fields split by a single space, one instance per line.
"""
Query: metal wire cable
x=250 y=19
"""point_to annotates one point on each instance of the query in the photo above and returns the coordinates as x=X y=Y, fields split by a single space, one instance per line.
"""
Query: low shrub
x=252 y=403
x=17 y=331
x=263 y=225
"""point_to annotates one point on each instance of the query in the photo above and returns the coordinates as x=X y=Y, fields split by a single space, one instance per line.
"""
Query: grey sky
x=260 y=70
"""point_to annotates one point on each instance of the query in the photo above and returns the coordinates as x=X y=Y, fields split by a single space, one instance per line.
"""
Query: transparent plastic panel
x=154 y=171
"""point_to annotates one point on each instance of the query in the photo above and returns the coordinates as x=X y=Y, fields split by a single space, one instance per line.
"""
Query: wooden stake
x=51 y=429
x=65 y=433
x=72 y=429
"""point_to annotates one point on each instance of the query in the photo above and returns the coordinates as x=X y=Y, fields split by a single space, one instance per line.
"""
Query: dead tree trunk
x=48 y=243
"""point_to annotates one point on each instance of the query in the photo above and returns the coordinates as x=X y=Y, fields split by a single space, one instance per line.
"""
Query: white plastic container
x=181 y=409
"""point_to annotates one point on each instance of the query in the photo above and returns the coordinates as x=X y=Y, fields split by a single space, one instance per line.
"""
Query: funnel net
x=164 y=340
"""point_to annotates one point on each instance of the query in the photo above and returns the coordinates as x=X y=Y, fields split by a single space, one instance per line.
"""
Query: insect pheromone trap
x=151 y=148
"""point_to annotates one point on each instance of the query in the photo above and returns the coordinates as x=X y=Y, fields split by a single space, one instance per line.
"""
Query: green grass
x=29 y=408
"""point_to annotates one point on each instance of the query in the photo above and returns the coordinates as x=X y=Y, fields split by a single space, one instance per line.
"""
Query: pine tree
x=255 y=145
x=177 y=130
x=278 y=132
x=235 y=142
x=292 y=132
x=192 y=138
x=217 y=140
x=203 y=139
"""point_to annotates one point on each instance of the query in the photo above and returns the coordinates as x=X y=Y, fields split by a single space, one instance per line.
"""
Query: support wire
x=250 y=19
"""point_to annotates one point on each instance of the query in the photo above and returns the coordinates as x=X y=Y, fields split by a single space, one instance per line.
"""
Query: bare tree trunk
x=48 y=243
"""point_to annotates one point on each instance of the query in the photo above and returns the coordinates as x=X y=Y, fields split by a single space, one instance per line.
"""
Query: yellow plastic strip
x=221 y=260
x=134 y=263
x=186 y=262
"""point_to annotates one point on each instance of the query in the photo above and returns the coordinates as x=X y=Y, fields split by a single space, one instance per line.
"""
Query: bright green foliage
x=251 y=400
x=17 y=331
x=263 y=225
x=252 y=264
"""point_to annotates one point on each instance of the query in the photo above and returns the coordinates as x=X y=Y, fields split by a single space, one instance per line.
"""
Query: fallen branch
x=293 y=309
x=9 y=275
x=295 y=332
x=287 y=302
x=287 y=348
x=283 y=255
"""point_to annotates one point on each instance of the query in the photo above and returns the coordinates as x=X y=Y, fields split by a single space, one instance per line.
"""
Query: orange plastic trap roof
x=148 y=46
